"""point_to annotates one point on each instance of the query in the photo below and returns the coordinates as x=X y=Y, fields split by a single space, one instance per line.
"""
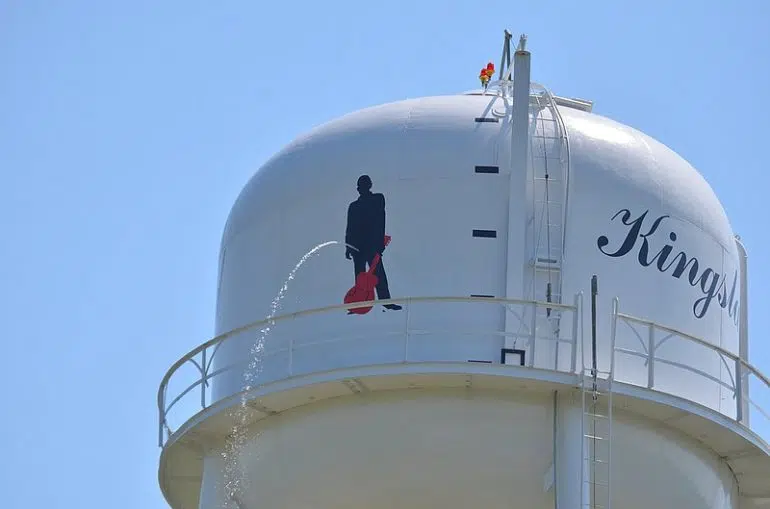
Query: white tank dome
x=446 y=180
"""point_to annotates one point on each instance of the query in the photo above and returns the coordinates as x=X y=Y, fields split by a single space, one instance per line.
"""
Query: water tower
x=493 y=299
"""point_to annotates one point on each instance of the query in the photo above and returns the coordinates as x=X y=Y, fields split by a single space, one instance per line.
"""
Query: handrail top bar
x=343 y=307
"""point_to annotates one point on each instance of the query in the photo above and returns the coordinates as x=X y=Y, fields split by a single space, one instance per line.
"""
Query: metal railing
x=535 y=324
x=735 y=375
x=549 y=334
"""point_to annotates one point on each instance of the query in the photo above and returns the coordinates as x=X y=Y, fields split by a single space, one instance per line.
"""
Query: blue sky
x=128 y=128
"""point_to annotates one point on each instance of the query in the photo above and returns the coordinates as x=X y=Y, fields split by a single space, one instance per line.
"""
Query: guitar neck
x=376 y=258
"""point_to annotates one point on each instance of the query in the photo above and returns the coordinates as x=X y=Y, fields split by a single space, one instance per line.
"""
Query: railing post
x=204 y=370
x=651 y=356
x=533 y=336
x=575 y=322
x=739 y=390
x=162 y=415
x=406 y=329
x=557 y=345
x=613 y=336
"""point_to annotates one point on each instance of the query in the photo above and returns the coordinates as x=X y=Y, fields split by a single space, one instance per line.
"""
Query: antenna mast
x=505 y=59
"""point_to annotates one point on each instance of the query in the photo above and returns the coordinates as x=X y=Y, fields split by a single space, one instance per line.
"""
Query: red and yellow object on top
x=486 y=74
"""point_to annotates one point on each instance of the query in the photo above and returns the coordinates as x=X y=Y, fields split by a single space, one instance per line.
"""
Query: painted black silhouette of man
x=365 y=235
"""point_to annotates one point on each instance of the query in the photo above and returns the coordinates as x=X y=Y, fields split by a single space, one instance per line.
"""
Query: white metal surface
x=500 y=465
x=452 y=448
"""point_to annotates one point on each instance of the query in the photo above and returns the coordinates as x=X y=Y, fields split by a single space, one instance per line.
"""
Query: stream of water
x=235 y=477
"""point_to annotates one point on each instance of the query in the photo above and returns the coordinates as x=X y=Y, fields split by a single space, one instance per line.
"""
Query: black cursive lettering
x=711 y=284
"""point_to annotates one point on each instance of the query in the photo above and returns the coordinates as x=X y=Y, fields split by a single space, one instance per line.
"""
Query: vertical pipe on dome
x=514 y=282
x=520 y=120
x=743 y=331
x=521 y=84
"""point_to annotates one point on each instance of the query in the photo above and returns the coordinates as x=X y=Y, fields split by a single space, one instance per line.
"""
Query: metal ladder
x=550 y=165
x=549 y=160
x=596 y=430
x=596 y=422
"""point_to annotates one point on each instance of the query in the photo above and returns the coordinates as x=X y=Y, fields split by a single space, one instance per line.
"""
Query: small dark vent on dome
x=487 y=234
x=487 y=169
x=487 y=119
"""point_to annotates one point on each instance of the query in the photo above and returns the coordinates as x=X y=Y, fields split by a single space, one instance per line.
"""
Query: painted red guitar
x=363 y=290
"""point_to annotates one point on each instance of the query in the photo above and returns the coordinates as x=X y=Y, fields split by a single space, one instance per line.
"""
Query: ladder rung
x=597 y=483
x=600 y=416
x=594 y=437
